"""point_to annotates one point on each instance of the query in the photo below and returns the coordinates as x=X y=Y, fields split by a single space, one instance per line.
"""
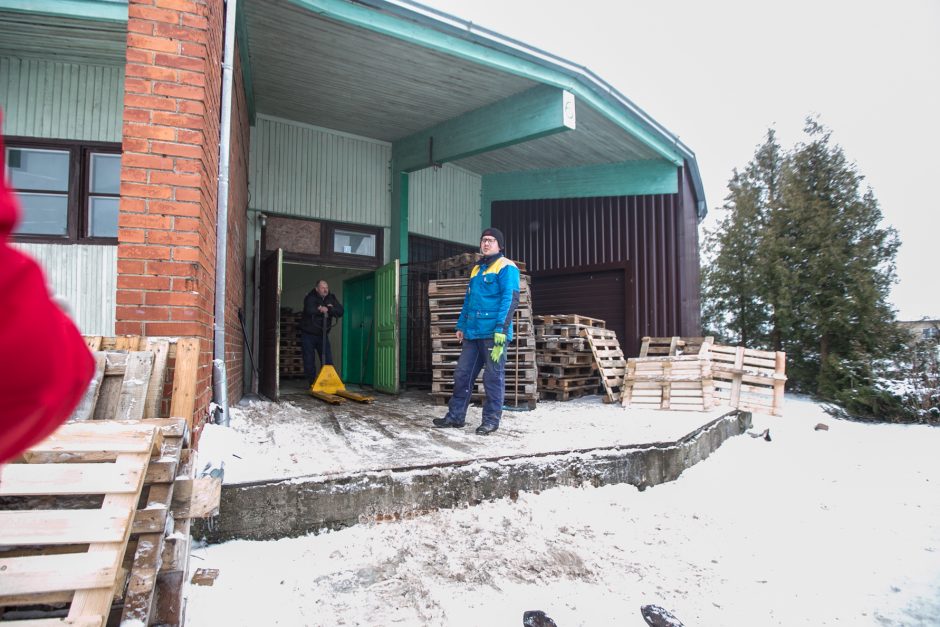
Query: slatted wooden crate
x=445 y=299
x=749 y=379
x=677 y=383
x=567 y=367
x=609 y=359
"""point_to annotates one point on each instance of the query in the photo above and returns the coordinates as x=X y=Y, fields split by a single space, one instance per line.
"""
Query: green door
x=359 y=329
x=386 y=328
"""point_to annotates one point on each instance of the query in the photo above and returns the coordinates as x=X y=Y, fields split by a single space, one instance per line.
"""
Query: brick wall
x=237 y=236
x=166 y=250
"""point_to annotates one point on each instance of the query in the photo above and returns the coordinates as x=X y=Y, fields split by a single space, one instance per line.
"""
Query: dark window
x=69 y=191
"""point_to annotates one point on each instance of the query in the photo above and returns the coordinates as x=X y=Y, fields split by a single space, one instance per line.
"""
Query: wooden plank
x=51 y=527
x=161 y=353
x=104 y=437
x=86 y=407
x=141 y=585
x=93 y=342
x=183 y=402
x=54 y=573
x=51 y=479
x=134 y=386
x=127 y=343
x=83 y=621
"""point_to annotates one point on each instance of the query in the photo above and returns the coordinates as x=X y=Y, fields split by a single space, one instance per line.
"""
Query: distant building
x=922 y=330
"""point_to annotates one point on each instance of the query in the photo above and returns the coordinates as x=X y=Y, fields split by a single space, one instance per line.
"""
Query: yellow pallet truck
x=329 y=387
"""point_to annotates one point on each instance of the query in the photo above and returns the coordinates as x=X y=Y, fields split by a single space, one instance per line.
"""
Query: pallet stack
x=291 y=356
x=566 y=364
x=445 y=299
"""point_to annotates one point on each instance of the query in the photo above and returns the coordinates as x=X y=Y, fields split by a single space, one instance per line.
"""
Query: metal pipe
x=220 y=379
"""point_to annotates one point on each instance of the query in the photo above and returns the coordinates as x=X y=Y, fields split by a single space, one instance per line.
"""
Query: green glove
x=499 y=343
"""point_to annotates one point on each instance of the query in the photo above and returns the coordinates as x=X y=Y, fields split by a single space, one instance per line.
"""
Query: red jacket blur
x=45 y=366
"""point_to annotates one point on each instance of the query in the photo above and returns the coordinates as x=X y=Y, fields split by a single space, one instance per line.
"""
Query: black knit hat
x=497 y=235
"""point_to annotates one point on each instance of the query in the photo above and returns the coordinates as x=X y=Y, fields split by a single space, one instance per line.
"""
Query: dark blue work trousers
x=475 y=356
x=311 y=343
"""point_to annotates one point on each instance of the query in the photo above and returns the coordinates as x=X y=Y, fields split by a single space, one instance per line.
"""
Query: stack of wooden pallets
x=445 y=299
x=95 y=520
x=566 y=363
x=290 y=354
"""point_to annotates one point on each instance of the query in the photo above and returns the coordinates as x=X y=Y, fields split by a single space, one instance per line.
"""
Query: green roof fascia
x=241 y=34
x=371 y=18
x=102 y=10
x=628 y=178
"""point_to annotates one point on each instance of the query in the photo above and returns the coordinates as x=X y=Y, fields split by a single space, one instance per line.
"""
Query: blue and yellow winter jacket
x=491 y=299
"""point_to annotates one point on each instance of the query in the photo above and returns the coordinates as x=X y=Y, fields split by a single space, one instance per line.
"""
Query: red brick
x=149 y=132
x=186 y=224
x=192 y=106
x=135 y=55
x=192 y=78
x=135 y=175
x=141 y=27
x=129 y=266
x=182 y=299
x=190 y=209
x=133 y=205
x=175 y=179
x=188 y=313
x=169 y=268
x=178 y=91
x=145 y=221
x=149 y=102
x=137 y=115
x=195 y=21
x=188 y=165
x=137 y=86
x=158 y=44
x=178 y=33
x=135 y=144
x=128 y=328
x=173 y=238
x=153 y=14
x=191 y=137
x=130 y=251
x=179 y=62
x=177 y=119
x=178 y=329
x=151 y=72
x=146 y=191
x=189 y=194
x=180 y=5
x=129 y=297
x=193 y=50
x=177 y=150
x=154 y=162
x=185 y=254
x=131 y=236
x=143 y=313
x=143 y=282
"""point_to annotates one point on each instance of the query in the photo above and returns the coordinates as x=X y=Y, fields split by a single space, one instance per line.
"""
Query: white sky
x=719 y=73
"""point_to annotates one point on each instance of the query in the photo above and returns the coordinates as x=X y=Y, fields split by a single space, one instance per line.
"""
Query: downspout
x=220 y=379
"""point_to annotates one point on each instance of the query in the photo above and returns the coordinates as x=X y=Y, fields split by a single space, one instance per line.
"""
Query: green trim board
x=104 y=10
x=628 y=178
x=387 y=24
x=534 y=113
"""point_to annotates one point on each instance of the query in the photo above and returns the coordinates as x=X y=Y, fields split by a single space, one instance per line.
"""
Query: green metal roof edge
x=100 y=10
x=241 y=33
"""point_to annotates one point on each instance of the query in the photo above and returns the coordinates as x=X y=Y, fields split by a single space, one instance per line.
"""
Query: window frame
x=79 y=188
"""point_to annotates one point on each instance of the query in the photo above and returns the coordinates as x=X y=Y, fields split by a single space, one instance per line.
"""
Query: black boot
x=443 y=423
x=486 y=428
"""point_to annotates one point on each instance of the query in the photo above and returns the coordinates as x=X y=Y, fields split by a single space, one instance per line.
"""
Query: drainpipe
x=220 y=380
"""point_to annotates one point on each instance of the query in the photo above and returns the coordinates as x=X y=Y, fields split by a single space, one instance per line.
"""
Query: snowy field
x=837 y=527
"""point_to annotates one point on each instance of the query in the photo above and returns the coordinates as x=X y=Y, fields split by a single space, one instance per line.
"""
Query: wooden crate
x=677 y=383
x=749 y=379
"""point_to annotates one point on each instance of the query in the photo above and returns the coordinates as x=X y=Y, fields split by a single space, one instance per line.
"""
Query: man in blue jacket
x=485 y=329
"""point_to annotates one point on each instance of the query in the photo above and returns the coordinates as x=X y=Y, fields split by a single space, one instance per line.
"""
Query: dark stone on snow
x=537 y=618
x=656 y=616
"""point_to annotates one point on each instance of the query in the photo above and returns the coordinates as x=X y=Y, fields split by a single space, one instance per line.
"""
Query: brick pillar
x=166 y=235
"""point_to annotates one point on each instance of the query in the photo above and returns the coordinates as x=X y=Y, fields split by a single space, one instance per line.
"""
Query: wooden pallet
x=678 y=383
x=569 y=320
x=609 y=359
x=748 y=379
x=673 y=346
x=80 y=459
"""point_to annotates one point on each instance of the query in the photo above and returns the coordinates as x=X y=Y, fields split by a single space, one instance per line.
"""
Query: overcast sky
x=718 y=74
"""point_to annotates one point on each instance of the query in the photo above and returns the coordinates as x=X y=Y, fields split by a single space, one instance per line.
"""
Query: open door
x=272 y=277
x=386 y=328
x=359 y=330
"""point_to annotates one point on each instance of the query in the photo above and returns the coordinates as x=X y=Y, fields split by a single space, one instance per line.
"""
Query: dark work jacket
x=312 y=320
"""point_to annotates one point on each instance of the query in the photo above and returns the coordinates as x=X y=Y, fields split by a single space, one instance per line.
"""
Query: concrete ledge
x=294 y=507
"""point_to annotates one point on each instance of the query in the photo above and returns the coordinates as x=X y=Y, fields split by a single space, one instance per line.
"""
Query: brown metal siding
x=645 y=241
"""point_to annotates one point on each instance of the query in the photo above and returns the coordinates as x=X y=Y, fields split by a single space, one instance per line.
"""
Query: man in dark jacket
x=321 y=310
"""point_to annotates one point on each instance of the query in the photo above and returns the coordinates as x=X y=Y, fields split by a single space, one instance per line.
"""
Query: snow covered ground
x=837 y=527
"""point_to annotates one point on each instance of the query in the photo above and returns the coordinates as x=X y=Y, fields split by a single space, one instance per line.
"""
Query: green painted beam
x=629 y=178
x=103 y=10
x=535 y=113
x=421 y=34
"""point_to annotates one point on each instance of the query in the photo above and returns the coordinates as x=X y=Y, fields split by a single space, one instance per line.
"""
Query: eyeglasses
x=488 y=240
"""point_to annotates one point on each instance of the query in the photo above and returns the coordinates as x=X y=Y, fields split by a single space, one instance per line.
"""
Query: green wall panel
x=444 y=203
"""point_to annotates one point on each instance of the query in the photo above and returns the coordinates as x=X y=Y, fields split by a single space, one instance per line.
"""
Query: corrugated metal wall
x=86 y=277
x=54 y=99
x=444 y=203
x=577 y=249
x=305 y=171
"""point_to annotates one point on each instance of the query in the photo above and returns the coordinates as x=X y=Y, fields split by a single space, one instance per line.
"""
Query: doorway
x=359 y=329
